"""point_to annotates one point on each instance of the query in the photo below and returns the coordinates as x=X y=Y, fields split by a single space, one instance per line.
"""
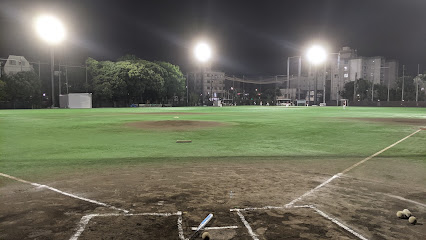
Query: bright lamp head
x=50 y=29
x=202 y=52
x=316 y=55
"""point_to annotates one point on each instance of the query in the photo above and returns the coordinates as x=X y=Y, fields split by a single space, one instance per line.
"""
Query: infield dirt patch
x=175 y=125
x=404 y=121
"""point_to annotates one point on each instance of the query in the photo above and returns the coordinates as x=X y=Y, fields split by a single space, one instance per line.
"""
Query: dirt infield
x=175 y=125
x=361 y=199
x=404 y=121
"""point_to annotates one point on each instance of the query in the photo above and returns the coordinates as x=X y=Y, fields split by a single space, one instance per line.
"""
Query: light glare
x=316 y=55
x=202 y=52
x=50 y=29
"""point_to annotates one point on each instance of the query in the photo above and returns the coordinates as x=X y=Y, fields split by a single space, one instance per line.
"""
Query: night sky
x=249 y=37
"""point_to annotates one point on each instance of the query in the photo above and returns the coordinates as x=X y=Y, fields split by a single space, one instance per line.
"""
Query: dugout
x=75 y=100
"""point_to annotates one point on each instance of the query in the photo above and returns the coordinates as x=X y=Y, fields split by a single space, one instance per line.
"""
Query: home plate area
x=282 y=223
x=179 y=225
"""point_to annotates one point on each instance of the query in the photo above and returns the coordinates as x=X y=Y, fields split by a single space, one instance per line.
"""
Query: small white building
x=75 y=100
x=15 y=64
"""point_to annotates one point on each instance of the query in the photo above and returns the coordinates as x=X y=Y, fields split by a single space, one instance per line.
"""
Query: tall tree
x=23 y=87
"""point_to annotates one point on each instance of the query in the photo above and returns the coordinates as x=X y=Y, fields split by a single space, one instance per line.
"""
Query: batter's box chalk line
x=84 y=221
x=37 y=185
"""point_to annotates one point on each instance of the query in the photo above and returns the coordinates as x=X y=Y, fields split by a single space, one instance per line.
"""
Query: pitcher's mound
x=175 y=125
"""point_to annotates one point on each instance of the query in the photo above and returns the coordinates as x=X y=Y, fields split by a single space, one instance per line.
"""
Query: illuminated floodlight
x=316 y=54
x=50 y=29
x=202 y=52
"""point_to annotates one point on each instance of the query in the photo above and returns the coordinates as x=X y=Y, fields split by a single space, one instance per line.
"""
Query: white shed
x=76 y=100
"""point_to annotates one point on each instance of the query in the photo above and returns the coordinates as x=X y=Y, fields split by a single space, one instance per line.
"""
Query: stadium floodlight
x=316 y=55
x=51 y=30
x=202 y=52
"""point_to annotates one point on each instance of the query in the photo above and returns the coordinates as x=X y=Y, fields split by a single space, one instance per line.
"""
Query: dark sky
x=249 y=37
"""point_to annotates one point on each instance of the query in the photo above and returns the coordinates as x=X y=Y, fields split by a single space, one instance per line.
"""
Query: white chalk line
x=215 y=228
x=313 y=190
x=337 y=222
x=379 y=152
x=84 y=221
x=405 y=199
x=250 y=230
x=64 y=193
x=179 y=224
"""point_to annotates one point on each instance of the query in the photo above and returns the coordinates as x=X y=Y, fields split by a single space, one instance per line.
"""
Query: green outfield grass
x=37 y=142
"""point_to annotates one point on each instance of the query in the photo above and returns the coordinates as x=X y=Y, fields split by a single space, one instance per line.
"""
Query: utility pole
x=187 y=89
x=66 y=76
x=59 y=80
x=356 y=76
x=403 y=80
x=87 y=85
x=299 y=72
x=417 y=82
x=316 y=85
x=323 y=94
x=338 y=79
x=52 y=68
x=288 y=73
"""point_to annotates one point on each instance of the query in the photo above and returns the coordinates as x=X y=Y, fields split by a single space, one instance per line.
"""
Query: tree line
x=129 y=80
x=133 y=80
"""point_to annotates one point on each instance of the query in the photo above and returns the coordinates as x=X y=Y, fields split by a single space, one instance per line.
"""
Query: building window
x=336 y=75
x=345 y=68
x=12 y=62
x=208 y=81
x=346 y=75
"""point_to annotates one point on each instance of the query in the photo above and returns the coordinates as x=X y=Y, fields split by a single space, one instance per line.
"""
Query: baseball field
x=263 y=172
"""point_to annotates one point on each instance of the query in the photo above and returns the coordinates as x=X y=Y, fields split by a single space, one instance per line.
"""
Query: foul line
x=86 y=219
x=64 y=193
x=348 y=169
x=377 y=153
x=290 y=204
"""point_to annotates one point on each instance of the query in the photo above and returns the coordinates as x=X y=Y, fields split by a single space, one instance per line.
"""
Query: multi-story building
x=341 y=68
x=210 y=87
x=15 y=64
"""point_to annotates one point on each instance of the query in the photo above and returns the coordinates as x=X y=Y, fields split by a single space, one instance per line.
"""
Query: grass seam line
x=63 y=193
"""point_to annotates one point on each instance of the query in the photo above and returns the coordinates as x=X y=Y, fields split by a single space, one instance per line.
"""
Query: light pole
x=338 y=77
x=403 y=78
x=298 y=72
x=51 y=30
x=203 y=54
x=316 y=55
